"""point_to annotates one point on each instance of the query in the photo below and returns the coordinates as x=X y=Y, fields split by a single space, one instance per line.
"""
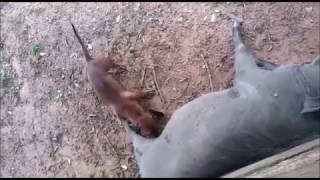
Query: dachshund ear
x=311 y=104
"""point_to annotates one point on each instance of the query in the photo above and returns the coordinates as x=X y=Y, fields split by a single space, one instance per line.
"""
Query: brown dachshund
x=124 y=102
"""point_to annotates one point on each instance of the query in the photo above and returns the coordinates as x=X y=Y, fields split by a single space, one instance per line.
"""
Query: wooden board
x=300 y=161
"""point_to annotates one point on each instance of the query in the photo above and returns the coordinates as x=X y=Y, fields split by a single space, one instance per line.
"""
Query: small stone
x=42 y=54
x=181 y=80
x=180 y=19
x=73 y=55
x=205 y=18
x=213 y=17
x=190 y=11
x=118 y=18
x=275 y=95
x=175 y=89
x=9 y=112
x=76 y=85
x=89 y=46
x=92 y=115
x=124 y=167
x=309 y=9
x=217 y=10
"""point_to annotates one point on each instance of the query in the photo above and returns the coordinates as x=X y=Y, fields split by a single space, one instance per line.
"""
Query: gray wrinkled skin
x=269 y=109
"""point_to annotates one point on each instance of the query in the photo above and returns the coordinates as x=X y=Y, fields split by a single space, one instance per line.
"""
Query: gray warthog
x=269 y=109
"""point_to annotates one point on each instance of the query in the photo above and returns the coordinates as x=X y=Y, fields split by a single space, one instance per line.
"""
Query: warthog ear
x=316 y=61
x=311 y=104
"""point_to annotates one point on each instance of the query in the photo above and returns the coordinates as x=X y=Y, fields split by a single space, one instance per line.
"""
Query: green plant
x=35 y=52
x=4 y=78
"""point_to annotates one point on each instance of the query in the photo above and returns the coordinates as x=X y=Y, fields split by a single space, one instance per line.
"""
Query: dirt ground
x=53 y=124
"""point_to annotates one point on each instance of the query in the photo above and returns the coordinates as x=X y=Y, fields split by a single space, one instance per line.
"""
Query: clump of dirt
x=53 y=124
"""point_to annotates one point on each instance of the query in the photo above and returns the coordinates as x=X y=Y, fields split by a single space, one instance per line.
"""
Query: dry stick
x=184 y=90
x=114 y=152
x=157 y=85
x=208 y=71
x=143 y=76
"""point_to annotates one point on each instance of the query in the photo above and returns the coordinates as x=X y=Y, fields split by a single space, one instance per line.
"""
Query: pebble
x=181 y=80
x=124 y=167
x=42 y=54
x=275 y=95
x=213 y=17
x=73 y=55
x=54 y=138
x=89 y=46
x=118 y=18
x=309 y=9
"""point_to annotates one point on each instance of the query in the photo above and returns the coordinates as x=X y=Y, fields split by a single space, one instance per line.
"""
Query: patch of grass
x=4 y=78
x=51 y=94
x=35 y=53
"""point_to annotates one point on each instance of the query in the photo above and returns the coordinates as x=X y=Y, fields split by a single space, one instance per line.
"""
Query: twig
x=143 y=76
x=157 y=85
x=67 y=42
x=184 y=90
x=208 y=71
x=113 y=149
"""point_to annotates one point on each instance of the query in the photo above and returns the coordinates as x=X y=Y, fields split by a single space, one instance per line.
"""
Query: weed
x=4 y=78
x=35 y=53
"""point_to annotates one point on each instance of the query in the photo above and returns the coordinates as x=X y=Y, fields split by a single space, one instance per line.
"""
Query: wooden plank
x=300 y=161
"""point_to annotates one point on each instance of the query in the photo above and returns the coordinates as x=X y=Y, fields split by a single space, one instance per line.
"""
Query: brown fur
x=124 y=102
